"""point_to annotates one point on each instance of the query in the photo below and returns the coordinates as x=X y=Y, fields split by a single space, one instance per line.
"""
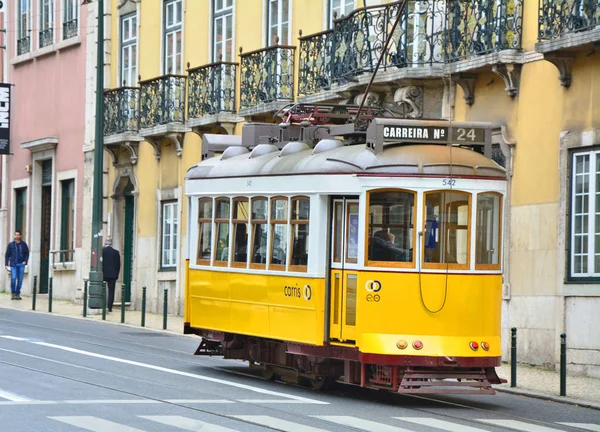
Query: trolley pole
x=95 y=278
x=563 y=364
x=513 y=357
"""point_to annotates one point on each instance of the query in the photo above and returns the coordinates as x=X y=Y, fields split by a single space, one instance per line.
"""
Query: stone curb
x=559 y=399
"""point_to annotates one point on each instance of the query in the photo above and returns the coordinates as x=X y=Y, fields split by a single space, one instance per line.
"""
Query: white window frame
x=170 y=64
x=23 y=32
x=168 y=243
x=281 y=20
x=225 y=15
x=70 y=12
x=341 y=7
x=43 y=4
x=129 y=42
x=589 y=229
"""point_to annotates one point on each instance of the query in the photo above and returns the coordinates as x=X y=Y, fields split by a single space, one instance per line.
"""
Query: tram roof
x=331 y=156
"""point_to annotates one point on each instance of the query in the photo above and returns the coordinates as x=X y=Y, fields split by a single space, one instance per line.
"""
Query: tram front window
x=487 y=249
x=300 y=213
x=391 y=226
x=446 y=231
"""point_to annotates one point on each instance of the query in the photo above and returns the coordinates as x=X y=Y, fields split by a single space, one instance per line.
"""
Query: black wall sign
x=5 y=118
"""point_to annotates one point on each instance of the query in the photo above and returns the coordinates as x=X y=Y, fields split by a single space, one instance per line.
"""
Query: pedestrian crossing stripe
x=96 y=424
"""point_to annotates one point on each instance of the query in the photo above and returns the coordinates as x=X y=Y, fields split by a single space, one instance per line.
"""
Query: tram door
x=344 y=264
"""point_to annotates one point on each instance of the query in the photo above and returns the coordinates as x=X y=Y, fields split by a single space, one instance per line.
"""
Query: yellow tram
x=370 y=253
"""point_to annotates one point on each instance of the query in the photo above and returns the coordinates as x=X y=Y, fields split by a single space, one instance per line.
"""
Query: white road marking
x=521 y=426
x=13 y=338
x=188 y=424
x=584 y=426
x=357 y=423
x=278 y=424
x=95 y=424
x=29 y=403
x=13 y=397
x=199 y=401
x=180 y=373
x=440 y=424
x=111 y=401
x=271 y=401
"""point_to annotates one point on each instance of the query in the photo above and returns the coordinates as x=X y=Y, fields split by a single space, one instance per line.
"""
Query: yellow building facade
x=181 y=71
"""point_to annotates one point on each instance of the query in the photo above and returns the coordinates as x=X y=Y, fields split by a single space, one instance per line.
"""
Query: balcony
x=267 y=79
x=162 y=111
x=23 y=45
x=211 y=95
x=46 y=37
x=432 y=39
x=566 y=27
x=70 y=29
x=121 y=122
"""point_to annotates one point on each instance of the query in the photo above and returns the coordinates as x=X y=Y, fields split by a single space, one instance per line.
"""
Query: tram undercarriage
x=320 y=366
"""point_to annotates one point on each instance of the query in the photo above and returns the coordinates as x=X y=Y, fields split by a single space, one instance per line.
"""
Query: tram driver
x=383 y=248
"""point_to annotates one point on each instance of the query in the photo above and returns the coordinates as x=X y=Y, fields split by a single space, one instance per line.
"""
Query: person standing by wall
x=15 y=260
x=111 y=266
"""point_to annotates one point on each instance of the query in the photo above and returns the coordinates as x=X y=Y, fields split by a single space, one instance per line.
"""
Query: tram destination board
x=382 y=132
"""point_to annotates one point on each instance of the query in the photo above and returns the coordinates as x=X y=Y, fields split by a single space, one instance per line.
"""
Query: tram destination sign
x=434 y=134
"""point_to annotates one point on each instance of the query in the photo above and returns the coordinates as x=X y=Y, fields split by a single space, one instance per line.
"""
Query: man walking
x=15 y=260
x=111 y=266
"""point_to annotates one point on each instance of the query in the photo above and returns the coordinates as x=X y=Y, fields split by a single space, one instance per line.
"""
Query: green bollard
x=513 y=357
x=143 y=306
x=563 y=364
x=103 y=300
x=50 y=295
x=85 y=297
x=34 y=296
x=165 y=307
x=122 y=303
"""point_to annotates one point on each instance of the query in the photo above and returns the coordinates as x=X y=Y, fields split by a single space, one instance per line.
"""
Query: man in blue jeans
x=15 y=260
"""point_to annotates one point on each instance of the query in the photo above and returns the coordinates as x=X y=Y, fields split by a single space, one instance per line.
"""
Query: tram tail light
x=485 y=346
x=474 y=345
x=417 y=345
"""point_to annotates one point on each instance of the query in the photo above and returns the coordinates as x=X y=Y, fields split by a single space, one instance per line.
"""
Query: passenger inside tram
x=383 y=248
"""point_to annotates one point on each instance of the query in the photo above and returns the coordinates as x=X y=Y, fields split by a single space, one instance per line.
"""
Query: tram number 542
x=449 y=182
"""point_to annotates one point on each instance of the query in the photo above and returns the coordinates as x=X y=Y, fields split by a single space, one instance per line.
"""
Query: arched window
x=487 y=235
x=299 y=233
x=222 y=215
x=259 y=217
x=279 y=233
x=240 y=233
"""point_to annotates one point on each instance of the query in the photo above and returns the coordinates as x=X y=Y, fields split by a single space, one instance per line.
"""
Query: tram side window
x=279 y=233
x=487 y=250
x=222 y=213
x=240 y=232
x=204 y=230
x=391 y=227
x=300 y=215
x=260 y=211
x=446 y=231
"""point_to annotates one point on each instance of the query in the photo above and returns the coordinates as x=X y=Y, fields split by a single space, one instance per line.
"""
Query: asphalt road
x=66 y=374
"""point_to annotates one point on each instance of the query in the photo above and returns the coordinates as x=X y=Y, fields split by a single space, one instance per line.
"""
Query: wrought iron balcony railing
x=211 y=89
x=70 y=29
x=23 y=45
x=162 y=101
x=267 y=75
x=559 y=17
x=435 y=31
x=121 y=110
x=46 y=37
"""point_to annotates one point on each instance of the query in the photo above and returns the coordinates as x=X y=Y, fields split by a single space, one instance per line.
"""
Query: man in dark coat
x=111 y=266
x=15 y=260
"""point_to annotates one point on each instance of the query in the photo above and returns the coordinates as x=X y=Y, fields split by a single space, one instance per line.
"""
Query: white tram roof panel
x=332 y=157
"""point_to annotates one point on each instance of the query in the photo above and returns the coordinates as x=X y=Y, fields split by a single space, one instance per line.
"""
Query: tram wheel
x=269 y=374
x=321 y=382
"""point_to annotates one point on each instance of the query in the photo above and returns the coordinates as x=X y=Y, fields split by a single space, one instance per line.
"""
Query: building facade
x=42 y=187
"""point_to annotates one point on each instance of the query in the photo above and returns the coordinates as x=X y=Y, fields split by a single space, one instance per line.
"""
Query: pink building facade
x=42 y=180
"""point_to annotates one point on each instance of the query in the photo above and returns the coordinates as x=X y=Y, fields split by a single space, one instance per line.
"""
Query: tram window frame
x=292 y=236
x=444 y=230
x=253 y=224
x=201 y=221
x=219 y=220
x=498 y=232
x=285 y=241
x=391 y=264
x=234 y=231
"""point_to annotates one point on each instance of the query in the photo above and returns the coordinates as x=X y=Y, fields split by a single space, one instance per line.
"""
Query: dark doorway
x=128 y=236
x=46 y=210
